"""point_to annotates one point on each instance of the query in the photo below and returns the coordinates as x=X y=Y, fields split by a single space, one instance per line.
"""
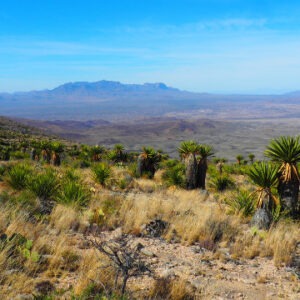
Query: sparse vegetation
x=48 y=210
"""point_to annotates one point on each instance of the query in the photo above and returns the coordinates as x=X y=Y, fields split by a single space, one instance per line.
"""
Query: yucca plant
x=264 y=175
x=102 y=172
x=148 y=162
x=56 y=149
x=117 y=154
x=96 y=152
x=239 y=159
x=251 y=157
x=205 y=151
x=187 y=152
x=242 y=202
x=18 y=176
x=285 y=151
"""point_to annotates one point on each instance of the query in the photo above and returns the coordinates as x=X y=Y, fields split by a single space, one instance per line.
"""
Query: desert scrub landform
x=82 y=222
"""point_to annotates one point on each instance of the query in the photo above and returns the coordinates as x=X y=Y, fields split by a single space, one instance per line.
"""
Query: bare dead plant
x=125 y=258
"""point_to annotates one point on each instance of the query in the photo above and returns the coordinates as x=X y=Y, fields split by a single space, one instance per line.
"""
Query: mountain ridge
x=113 y=100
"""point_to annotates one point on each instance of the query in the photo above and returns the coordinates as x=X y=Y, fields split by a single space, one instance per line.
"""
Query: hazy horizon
x=269 y=92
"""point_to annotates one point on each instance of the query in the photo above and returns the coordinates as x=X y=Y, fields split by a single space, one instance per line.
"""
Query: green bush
x=73 y=193
x=221 y=183
x=44 y=184
x=19 y=155
x=243 y=203
x=2 y=171
x=84 y=164
x=132 y=169
x=102 y=172
x=71 y=174
x=235 y=169
x=174 y=174
x=18 y=176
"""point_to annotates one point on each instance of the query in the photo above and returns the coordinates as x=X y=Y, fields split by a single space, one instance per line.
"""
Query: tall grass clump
x=222 y=183
x=45 y=184
x=73 y=193
x=18 y=176
x=243 y=202
x=102 y=172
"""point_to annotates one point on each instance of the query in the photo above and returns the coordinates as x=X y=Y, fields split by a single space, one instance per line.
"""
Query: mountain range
x=110 y=100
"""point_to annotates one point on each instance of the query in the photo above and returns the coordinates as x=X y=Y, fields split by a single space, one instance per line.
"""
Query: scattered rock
x=167 y=273
x=147 y=253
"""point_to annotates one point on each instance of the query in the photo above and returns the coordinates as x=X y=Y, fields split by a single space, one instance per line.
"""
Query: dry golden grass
x=64 y=218
x=191 y=218
x=93 y=269
x=282 y=240
x=171 y=289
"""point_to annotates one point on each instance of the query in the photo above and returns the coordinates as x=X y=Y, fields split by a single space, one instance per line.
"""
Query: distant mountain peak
x=110 y=85
x=158 y=85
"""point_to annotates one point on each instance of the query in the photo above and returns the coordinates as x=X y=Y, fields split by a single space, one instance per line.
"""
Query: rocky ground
x=214 y=275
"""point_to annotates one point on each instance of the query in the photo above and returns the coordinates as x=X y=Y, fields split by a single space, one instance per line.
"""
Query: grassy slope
x=196 y=222
x=206 y=252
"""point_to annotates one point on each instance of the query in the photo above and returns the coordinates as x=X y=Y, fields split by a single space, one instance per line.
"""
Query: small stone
x=167 y=273
x=147 y=253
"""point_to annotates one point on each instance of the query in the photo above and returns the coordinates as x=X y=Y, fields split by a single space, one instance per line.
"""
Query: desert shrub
x=174 y=174
x=71 y=174
x=19 y=155
x=18 y=176
x=84 y=164
x=132 y=169
x=102 y=172
x=243 y=202
x=2 y=171
x=73 y=193
x=221 y=183
x=44 y=184
x=235 y=169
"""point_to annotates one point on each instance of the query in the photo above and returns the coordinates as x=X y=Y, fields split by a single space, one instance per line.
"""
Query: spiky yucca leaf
x=265 y=176
x=188 y=147
x=151 y=154
x=286 y=151
x=206 y=151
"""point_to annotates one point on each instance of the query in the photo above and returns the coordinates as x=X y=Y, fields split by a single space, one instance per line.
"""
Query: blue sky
x=218 y=46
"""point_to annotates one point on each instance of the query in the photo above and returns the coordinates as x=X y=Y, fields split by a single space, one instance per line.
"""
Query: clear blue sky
x=205 y=46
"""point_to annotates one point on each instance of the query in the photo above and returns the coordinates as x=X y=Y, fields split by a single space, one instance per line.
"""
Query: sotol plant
x=73 y=193
x=18 y=176
x=102 y=172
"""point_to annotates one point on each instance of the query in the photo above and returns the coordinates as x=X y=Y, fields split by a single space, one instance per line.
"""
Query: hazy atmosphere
x=214 y=46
